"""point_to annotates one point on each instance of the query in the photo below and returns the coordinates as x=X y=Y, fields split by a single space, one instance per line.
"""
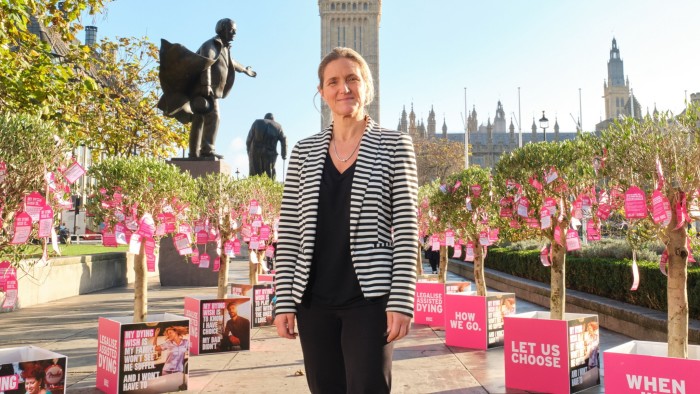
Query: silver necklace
x=335 y=149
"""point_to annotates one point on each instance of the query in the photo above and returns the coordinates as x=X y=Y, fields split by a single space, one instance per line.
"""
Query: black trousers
x=345 y=349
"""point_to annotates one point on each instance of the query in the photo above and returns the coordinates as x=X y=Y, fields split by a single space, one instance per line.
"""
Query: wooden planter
x=429 y=301
x=643 y=367
x=209 y=324
x=129 y=362
x=551 y=356
x=476 y=322
x=37 y=365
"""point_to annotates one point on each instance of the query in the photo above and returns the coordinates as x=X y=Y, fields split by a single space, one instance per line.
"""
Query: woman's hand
x=285 y=325
x=397 y=325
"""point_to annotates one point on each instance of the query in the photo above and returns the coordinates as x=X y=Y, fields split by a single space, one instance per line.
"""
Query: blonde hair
x=349 y=53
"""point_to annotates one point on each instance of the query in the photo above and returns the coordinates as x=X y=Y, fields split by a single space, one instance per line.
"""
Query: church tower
x=616 y=88
x=431 y=123
x=355 y=25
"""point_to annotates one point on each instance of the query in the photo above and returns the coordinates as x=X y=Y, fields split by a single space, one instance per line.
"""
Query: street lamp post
x=237 y=172
x=544 y=123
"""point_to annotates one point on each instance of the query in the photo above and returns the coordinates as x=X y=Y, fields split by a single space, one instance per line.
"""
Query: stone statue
x=261 y=145
x=193 y=83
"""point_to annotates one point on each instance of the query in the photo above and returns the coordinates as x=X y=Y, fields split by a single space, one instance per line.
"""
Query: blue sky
x=430 y=51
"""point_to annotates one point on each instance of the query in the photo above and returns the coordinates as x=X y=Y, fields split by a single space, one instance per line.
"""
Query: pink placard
x=120 y=233
x=545 y=218
x=449 y=238
x=550 y=204
x=108 y=355
x=34 y=203
x=592 y=231
x=204 y=260
x=202 y=237
x=631 y=373
x=469 y=251
x=557 y=235
x=264 y=232
x=228 y=249
x=635 y=203
x=457 y=252
x=535 y=354
x=236 y=246
x=147 y=226
x=572 y=240
x=523 y=207
x=11 y=292
x=150 y=250
x=435 y=243
x=476 y=190
x=660 y=207
x=465 y=321
x=192 y=311
x=108 y=237
x=195 y=256
x=428 y=308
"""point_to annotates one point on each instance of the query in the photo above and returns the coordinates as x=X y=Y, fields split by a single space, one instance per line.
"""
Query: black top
x=333 y=281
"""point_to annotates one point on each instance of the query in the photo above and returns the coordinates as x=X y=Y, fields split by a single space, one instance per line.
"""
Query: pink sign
x=11 y=288
x=523 y=207
x=108 y=355
x=150 y=250
x=476 y=190
x=45 y=222
x=264 y=232
x=592 y=231
x=484 y=238
x=544 y=355
x=449 y=238
x=550 y=204
x=557 y=235
x=22 y=228
x=457 y=252
x=195 y=256
x=120 y=233
x=236 y=246
x=254 y=208
x=193 y=312
x=182 y=244
x=202 y=237
x=476 y=322
x=639 y=367
x=428 y=303
x=204 y=260
x=435 y=243
x=228 y=249
x=469 y=251
x=635 y=203
x=147 y=226
x=572 y=240
x=506 y=207
x=108 y=237
x=604 y=211
x=545 y=218
x=660 y=208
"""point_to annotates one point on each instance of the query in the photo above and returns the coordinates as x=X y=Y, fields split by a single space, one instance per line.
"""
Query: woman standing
x=177 y=347
x=348 y=238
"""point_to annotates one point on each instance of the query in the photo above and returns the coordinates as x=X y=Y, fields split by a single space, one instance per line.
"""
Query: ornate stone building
x=616 y=92
x=353 y=24
x=488 y=141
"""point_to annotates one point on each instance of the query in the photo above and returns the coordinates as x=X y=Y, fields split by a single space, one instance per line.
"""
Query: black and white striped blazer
x=383 y=223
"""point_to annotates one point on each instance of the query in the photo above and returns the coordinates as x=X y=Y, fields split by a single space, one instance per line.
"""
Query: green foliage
x=436 y=158
x=146 y=183
x=30 y=147
x=605 y=277
x=266 y=191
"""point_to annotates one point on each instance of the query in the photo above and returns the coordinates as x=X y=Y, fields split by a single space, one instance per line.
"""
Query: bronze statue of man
x=261 y=145
x=193 y=83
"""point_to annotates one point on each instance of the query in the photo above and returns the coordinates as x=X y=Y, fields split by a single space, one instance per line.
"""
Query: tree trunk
x=222 y=287
x=253 y=268
x=479 y=278
x=419 y=261
x=442 y=272
x=677 y=289
x=140 y=286
x=557 y=297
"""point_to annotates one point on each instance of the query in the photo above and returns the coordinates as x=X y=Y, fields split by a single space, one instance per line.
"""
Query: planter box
x=428 y=304
x=211 y=327
x=476 y=322
x=262 y=298
x=552 y=356
x=23 y=367
x=643 y=367
x=129 y=362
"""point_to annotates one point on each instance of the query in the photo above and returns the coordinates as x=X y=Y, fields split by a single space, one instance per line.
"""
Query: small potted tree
x=545 y=182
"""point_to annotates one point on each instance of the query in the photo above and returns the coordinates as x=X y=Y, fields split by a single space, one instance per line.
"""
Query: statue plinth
x=176 y=270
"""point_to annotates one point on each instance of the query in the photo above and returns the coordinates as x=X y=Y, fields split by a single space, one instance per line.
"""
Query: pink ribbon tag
x=484 y=238
x=545 y=218
x=254 y=208
x=577 y=209
x=254 y=242
x=592 y=231
x=457 y=185
x=635 y=203
x=663 y=261
x=74 y=172
x=572 y=240
x=469 y=251
x=256 y=223
x=212 y=234
x=532 y=223
x=458 y=252
x=635 y=271
x=202 y=237
x=557 y=235
x=604 y=211
x=264 y=232
x=551 y=176
x=45 y=222
x=523 y=207
x=550 y=204
x=476 y=190
x=150 y=250
x=120 y=234
x=681 y=214
x=7 y=272
x=228 y=249
x=544 y=256
x=109 y=239
x=147 y=226
x=493 y=235
x=195 y=256
x=506 y=204
x=135 y=244
x=217 y=264
x=435 y=243
x=204 y=260
x=658 y=210
x=449 y=238
x=236 y=246
x=168 y=220
x=22 y=228
x=534 y=183
x=34 y=203
x=11 y=291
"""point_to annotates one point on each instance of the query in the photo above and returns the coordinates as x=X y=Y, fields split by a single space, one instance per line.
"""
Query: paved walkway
x=422 y=362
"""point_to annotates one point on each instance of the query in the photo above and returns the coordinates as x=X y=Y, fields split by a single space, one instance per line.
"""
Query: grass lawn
x=82 y=249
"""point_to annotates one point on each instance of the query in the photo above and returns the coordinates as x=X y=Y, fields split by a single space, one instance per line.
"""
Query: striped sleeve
x=288 y=244
x=404 y=200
